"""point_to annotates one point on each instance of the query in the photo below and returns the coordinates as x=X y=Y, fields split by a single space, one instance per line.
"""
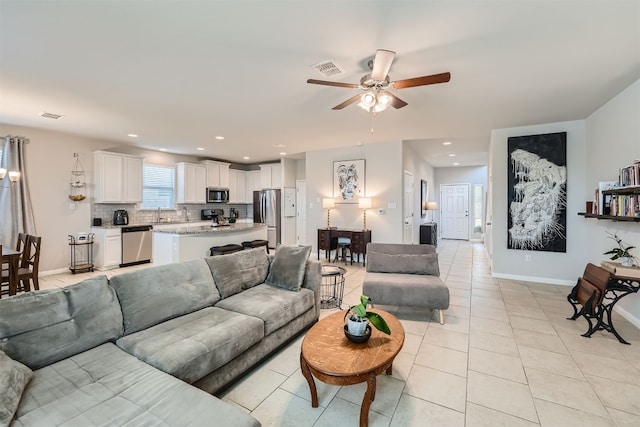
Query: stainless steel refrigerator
x=266 y=210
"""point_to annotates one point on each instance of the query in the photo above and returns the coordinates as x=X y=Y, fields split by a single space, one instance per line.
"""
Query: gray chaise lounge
x=405 y=275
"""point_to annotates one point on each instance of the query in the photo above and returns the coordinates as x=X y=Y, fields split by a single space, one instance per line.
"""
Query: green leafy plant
x=360 y=311
x=621 y=251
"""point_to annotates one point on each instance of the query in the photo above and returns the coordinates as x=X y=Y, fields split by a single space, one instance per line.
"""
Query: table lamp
x=432 y=206
x=328 y=204
x=364 y=203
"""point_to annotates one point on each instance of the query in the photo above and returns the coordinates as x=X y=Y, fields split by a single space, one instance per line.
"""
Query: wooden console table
x=328 y=241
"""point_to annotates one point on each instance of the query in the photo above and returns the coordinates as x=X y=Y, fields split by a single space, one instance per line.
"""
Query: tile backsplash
x=138 y=216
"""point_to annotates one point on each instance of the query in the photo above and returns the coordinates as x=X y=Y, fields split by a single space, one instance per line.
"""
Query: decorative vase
x=357 y=326
x=626 y=261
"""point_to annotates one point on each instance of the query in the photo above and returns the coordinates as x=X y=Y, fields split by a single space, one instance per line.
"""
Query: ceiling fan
x=376 y=85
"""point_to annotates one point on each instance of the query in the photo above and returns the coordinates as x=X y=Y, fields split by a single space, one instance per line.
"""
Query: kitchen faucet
x=186 y=212
x=158 y=215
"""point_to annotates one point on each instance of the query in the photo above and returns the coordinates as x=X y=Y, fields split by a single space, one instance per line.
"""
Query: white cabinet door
x=217 y=173
x=253 y=184
x=191 y=182
x=132 y=179
x=117 y=178
x=233 y=186
x=225 y=178
x=241 y=186
x=270 y=176
x=107 y=247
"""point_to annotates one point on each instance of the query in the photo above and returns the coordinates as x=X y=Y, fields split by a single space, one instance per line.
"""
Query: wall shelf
x=610 y=217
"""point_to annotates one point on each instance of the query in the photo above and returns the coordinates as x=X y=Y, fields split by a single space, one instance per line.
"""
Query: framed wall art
x=537 y=192
x=424 y=198
x=348 y=180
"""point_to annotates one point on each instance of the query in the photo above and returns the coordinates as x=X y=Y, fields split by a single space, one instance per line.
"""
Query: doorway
x=301 y=213
x=454 y=211
x=408 y=208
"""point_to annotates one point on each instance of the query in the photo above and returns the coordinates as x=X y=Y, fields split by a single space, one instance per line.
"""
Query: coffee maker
x=120 y=217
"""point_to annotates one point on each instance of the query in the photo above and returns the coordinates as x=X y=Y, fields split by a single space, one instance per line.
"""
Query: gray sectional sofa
x=405 y=275
x=147 y=347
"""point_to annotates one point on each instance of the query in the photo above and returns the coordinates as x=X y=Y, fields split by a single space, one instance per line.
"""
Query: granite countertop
x=185 y=229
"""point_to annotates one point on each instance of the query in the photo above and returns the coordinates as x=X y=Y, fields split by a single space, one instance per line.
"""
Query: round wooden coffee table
x=330 y=357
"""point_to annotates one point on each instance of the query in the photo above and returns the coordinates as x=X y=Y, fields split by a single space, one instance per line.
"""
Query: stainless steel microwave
x=217 y=195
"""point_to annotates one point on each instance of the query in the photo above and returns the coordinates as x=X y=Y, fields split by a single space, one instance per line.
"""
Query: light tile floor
x=506 y=356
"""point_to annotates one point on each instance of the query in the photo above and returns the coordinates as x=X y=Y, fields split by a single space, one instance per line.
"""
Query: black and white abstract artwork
x=348 y=180
x=537 y=192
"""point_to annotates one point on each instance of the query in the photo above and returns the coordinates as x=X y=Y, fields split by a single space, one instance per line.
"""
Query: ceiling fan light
x=367 y=100
x=384 y=98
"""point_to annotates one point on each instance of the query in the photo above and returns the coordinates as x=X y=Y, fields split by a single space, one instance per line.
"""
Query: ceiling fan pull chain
x=372 y=116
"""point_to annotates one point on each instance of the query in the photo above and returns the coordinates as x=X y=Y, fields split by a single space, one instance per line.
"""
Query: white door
x=301 y=214
x=454 y=211
x=408 y=208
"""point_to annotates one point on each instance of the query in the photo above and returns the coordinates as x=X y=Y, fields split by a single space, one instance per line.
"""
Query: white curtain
x=16 y=213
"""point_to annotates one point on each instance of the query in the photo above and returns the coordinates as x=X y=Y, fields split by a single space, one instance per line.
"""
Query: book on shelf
x=602 y=202
x=630 y=175
x=618 y=269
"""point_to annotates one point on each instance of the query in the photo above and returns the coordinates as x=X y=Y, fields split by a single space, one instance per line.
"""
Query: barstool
x=223 y=250
x=256 y=244
x=344 y=243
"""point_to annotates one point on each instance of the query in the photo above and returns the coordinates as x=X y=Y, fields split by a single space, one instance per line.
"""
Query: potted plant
x=621 y=252
x=358 y=318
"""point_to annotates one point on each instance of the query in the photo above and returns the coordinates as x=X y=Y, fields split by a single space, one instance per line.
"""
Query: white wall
x=462 y=175
x=613 y=142
x=383 y=184
x=418 y=166
x=49 y=160
x=546 y=267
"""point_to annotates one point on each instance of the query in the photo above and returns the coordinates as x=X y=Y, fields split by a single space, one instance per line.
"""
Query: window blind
x=158 y=187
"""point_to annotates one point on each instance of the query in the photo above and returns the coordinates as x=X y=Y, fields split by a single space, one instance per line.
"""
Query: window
x=158 y=187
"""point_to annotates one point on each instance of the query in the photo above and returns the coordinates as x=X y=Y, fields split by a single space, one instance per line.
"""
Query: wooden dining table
x=12 y=257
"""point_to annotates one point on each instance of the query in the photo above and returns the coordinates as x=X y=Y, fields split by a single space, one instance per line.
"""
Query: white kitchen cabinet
x=107 y=247
x=237 y=186
x=117 y=177
x=191 y=182
x=217 y=173
x=270 y=176
x=253 y=184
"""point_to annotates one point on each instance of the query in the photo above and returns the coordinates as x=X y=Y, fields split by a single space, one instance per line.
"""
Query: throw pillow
x=241 y=270
x=288 y=267
x=14 y=377
x=426 y=264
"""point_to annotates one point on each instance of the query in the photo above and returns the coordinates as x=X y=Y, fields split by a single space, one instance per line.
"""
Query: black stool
x=223 y=250
x=256 y=244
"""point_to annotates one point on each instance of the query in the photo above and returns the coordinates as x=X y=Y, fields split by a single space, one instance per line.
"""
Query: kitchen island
x=177 y=243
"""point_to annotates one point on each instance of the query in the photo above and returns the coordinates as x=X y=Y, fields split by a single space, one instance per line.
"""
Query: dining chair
x=29 y=265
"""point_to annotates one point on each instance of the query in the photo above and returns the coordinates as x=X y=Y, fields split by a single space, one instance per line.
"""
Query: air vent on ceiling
x=328 y=68
x=50 y=115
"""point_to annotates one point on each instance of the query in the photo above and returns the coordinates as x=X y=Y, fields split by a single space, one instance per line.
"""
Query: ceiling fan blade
x=397 y=102
x=422 y=81
x=337 y=84
x=382 y=64
x=353 y=99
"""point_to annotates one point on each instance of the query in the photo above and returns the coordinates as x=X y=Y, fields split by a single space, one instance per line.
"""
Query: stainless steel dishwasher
x=136 y=244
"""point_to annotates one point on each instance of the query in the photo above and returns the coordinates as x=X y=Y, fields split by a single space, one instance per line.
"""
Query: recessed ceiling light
x=279 y=145
x=200 y=149
x=282 y=153
x=132 y=135
x=446 y=143
x=219 y=137
x=163 y=149
x=452 y=155
x=456 y=164
x=246 y=157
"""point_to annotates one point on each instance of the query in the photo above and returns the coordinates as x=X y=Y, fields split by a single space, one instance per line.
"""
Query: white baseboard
x=534 y=279
x=630 y=317
x=52 y=272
